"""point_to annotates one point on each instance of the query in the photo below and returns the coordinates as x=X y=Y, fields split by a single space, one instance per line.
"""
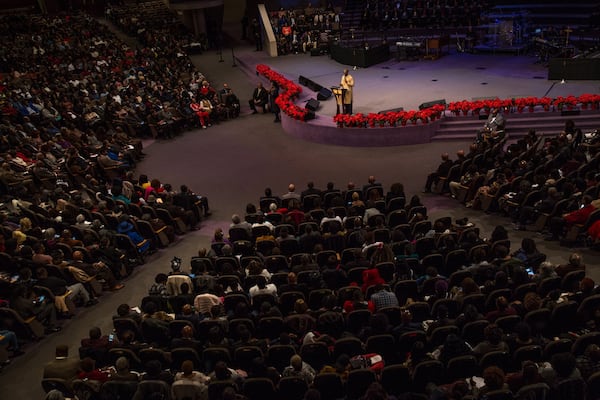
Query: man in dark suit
x=63 y=367
x=260 y=97
x=369 y=194
x=371 y=183
x=310 y=190
x=186 y=199
x=441 y=171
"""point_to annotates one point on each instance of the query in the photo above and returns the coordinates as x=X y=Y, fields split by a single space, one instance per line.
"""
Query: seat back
x=538 y=320
x=86 y=389
x=438 y=336
x=384 y=344
x=259 y=389
x=287 y=300
x=496 y=358
x=357 y=319
x=147 y=388
x=278 y=356
x=508 y=322
x=395 y=379
x=406 y=341
x=425 y=372
x=118 y=390
x=406 y=289
x=330 y=385
x=315 y=354
x=61 y=385
x=536 y=391
x=572 y=389
x=212 y=355
x=292 y=388
x=462 y=367
x=181 y=354
x=472 y=332
x=216 y=388
x=452 y=305
x=358 y=382
x=477 y=300
x=270 y=327
x=593 y=385
x=244 y=355
x=528 y=353
x=350 y=346
x=237 y=233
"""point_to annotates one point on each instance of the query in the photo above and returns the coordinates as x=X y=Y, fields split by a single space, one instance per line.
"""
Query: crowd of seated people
x=339 y=289
x=544 y=184
x=421 y=13
x=97 y=82
x=302 y=30
x=74 y=219
x=155 y=25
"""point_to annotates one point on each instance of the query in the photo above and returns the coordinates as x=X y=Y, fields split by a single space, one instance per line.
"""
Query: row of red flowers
x=289 y=91
x=391 y=118
x=520 y=104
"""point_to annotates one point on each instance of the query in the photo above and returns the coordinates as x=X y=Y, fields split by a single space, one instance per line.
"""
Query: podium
x=338 y=92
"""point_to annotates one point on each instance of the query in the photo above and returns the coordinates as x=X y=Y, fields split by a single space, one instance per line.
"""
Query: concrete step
x=517 y=124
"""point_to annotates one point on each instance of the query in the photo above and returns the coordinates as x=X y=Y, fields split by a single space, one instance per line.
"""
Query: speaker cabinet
x=432 y=103
x=324 y=94
x=303 y=80
x=312 y=105
x=309 y=83
x=391 y=110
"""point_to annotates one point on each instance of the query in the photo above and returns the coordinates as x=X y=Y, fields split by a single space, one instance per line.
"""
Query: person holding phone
x=97 y=341
x=44 y=311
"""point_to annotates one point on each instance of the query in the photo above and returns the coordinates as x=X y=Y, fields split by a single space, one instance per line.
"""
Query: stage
x=407 y=84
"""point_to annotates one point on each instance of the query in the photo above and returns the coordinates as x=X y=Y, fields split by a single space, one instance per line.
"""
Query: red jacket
x=579 y=216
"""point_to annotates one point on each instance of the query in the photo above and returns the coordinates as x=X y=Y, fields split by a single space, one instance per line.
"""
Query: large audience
x=355 y=293
x=75 y=103
x=329 y=293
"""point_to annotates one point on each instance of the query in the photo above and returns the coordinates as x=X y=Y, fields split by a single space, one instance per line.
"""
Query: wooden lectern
x=338 y=92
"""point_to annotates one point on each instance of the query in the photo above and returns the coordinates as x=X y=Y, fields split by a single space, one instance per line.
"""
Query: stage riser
x=517 y=125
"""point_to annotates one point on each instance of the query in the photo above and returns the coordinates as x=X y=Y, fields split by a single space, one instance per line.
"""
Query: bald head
x=291 y=187
x=77 y=255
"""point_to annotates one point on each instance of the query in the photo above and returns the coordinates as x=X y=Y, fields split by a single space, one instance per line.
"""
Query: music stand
x=338 y=92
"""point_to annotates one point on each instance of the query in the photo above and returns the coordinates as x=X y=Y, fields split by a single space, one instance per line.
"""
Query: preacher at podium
x=347 y=83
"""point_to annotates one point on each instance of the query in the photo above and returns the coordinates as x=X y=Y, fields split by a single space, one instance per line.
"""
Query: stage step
x=517 y=124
